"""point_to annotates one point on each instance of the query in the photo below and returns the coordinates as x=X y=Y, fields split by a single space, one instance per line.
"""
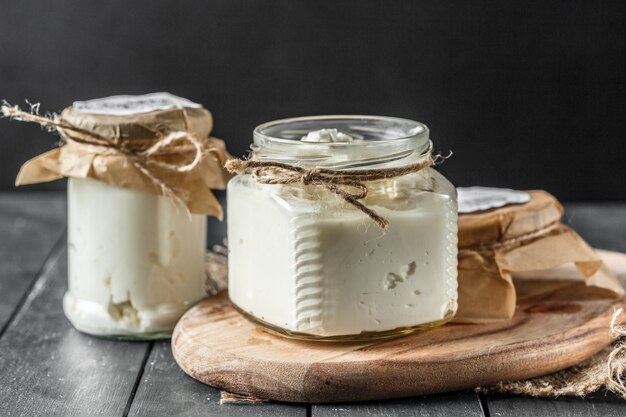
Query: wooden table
x=49 y=369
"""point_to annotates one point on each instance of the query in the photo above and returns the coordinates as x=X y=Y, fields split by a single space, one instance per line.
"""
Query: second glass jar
x=306 y=264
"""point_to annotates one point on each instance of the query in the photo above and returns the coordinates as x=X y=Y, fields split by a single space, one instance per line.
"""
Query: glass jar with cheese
x=332 y=234
x=140 y=171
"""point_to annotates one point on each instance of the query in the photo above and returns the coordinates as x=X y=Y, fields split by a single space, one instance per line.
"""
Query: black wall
x=528 y=94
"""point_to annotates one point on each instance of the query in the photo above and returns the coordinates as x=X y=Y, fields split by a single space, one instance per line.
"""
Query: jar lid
x=147 y=116
x=485 y=228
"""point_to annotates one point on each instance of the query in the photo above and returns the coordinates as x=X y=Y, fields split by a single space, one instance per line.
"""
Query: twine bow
x=336 y=181
x=142 y=159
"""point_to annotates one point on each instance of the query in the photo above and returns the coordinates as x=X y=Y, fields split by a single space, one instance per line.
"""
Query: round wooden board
x=216 y=345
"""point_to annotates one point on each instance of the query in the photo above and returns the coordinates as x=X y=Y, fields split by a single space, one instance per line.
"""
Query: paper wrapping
x=79 y=160
x=498 y=246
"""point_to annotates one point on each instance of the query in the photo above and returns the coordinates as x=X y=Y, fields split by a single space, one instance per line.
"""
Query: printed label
x=473 y=199
x=129 y=105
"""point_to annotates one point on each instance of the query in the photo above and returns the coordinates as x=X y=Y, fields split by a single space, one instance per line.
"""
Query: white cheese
x=306 y=266
x=326 y=136
x=136 y=261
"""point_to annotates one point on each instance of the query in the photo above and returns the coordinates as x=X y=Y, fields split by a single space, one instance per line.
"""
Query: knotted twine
x=140 y=157
x=335 y=181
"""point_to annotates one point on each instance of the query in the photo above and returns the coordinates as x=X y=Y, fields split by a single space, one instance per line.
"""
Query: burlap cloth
x=604 y=370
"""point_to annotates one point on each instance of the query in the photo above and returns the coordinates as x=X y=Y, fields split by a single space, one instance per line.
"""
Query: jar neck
x=379 y=142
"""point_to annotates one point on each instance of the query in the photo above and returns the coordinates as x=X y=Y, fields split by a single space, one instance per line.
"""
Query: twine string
x=512 y=242
x=336 y=181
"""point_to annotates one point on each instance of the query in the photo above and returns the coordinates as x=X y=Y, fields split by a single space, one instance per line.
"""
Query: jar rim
x=383 y=142
x=421 y=131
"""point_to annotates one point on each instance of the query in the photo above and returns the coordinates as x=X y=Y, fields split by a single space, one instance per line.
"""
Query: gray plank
x=598 y=404
x=49 y=369
x=465 y=404
x=30 y=224
x=165 y=390
x=602 y=225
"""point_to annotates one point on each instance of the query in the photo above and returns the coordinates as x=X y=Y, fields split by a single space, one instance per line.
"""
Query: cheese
x=136 y=261
x=306 y=266
x=326 y=136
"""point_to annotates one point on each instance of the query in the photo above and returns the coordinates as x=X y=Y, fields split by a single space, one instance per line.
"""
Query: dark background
x=527 y=94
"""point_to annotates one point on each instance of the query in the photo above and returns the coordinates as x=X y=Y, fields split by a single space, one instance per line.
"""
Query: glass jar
x=306 y=264
x=140 y=171
x=135 y=261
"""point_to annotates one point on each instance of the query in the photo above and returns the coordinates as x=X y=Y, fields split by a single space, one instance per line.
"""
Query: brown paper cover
x=79 y=160
x=497 y=246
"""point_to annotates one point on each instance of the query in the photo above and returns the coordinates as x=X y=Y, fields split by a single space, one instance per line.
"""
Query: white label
x=129 y=105
x=473 y=199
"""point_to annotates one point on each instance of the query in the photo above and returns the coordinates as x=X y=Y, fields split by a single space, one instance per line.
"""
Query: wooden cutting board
x=214 y=344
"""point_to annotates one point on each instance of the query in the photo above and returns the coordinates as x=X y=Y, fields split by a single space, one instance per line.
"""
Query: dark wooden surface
x=49 y=369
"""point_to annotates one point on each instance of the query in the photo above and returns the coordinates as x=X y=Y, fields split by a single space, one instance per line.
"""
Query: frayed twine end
x=46 y=121
x=232 y=398
x=616 y=363
x=8 y=110
x=439 y=159
x=616 y=329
